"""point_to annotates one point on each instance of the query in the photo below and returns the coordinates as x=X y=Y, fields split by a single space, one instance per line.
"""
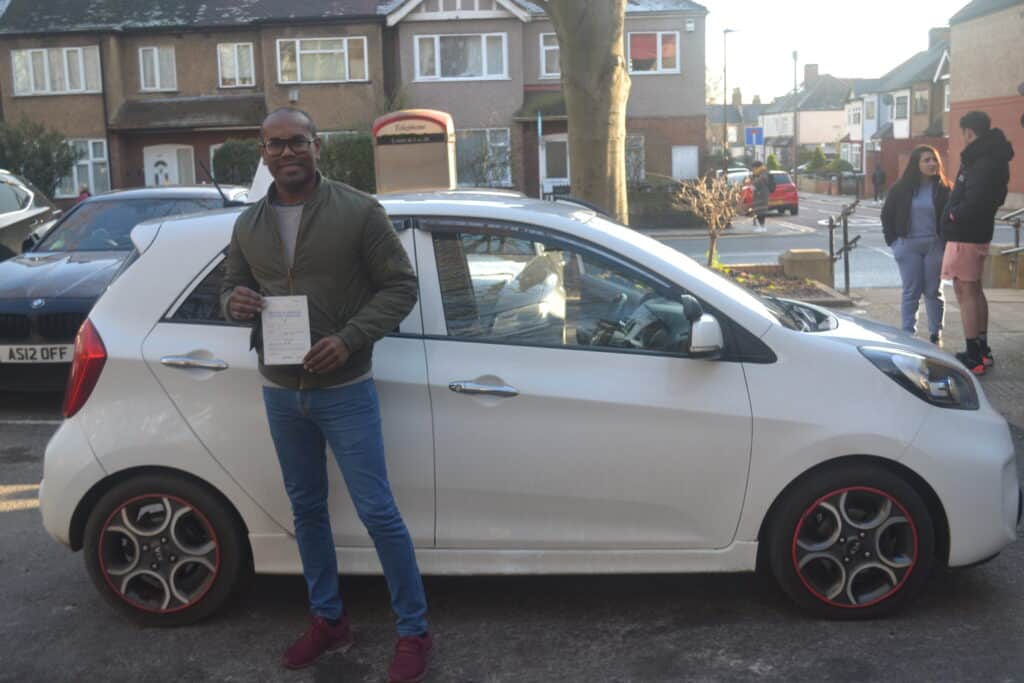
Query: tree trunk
x=712 y=248
x=595 y=84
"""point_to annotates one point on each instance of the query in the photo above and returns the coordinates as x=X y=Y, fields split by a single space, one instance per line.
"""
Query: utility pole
x=725 y=101
x=796 y=118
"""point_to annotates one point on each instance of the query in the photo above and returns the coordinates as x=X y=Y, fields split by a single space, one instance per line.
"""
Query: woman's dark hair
x=911 y=177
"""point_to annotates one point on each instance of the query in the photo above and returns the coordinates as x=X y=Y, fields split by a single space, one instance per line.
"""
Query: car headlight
x=927 y=378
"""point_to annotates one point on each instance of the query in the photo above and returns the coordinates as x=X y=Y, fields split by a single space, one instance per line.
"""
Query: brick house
x=147 y=90
x=987 y=73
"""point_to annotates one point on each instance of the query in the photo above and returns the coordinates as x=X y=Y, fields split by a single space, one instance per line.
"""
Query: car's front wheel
x=852 y=541
x=164 y=550
x=794 y=211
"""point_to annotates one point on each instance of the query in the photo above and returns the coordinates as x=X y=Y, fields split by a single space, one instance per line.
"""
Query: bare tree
x=715 y=200
x=595 y=81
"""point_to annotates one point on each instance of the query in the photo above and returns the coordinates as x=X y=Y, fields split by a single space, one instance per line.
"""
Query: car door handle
x=477 y=389
x=214 y=364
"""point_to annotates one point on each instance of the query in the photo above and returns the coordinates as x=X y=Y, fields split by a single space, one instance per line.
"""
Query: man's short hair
x=978 y=121
x=292 y=110
x=756 y=164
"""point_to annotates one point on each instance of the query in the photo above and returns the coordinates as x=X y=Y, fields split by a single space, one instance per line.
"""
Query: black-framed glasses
x=298 y=145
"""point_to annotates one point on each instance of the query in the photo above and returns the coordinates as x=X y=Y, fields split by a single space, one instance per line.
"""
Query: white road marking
x=885 y=252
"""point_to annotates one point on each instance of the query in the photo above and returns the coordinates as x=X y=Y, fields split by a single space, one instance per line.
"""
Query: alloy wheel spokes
x=854 y=547
x=159 y=553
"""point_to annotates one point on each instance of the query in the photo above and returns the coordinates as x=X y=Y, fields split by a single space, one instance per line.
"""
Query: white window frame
x=420 y=78
x=65 y=51
x=438 y=10
x=870 y=107
x=544 y=49
x=660 y=70
x=945 y=97
x=91 y=160
x=299 y=52
x=506 y=180
x=160 y=86
x=252 y=65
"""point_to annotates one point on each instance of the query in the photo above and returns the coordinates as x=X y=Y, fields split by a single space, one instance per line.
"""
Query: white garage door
x=685 y=162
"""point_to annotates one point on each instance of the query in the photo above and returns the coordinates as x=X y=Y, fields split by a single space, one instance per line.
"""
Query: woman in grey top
x=911 y=225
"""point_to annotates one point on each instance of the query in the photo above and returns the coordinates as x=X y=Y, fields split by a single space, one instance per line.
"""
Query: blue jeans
x=347 y=418
x=920 y=263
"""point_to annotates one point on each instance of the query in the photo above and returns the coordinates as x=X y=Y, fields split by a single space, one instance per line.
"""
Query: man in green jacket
x=334 y=245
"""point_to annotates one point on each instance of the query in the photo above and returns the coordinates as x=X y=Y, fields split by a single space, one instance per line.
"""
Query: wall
x=985 y=56
x=821 y=127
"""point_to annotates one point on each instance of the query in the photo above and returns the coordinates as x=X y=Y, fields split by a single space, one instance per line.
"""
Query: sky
x=848 y=39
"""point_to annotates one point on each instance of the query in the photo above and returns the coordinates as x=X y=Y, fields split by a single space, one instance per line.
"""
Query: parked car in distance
x=567 y=396
x=23 y=208
x=46 y=292
x=784 y=198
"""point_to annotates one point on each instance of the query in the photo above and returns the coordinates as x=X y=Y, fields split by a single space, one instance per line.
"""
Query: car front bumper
x=969 y=460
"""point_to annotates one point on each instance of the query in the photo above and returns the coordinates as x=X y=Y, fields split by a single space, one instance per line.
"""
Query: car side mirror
x=706 y=338
x=692 y=309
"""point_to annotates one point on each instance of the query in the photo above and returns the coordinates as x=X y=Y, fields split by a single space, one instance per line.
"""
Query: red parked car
x=784 y=198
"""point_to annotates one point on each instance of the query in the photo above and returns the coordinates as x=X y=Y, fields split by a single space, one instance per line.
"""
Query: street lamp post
x=796 y=118
x=725 y=101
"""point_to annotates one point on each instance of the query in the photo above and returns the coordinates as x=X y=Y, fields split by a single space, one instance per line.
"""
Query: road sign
x=755 y=137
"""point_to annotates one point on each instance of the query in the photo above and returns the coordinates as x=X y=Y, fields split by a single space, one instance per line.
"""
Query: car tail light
x=90 y=356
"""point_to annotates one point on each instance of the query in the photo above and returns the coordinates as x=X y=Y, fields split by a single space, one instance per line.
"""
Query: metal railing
x=843 y=219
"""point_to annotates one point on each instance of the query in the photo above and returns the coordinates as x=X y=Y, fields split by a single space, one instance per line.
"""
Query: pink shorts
x=964 y=261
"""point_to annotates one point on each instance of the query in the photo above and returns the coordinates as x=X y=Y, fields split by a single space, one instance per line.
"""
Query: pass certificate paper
x=286 y=339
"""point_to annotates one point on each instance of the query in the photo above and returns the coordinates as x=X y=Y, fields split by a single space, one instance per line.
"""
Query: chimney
x=938 y=35
x=810 y=73
x=737 y=97
x=757 y=99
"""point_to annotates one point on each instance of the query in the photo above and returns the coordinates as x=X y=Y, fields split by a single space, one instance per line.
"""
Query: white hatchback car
x=568 y=396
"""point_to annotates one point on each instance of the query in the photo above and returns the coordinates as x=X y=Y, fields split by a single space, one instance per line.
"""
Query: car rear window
x=107 y=225
x=781 y=178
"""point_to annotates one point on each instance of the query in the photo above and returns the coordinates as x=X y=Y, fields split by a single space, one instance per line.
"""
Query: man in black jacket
x=968 y=223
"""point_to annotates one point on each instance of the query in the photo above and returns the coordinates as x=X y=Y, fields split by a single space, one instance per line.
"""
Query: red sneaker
x=320 y=639
x=412 y=656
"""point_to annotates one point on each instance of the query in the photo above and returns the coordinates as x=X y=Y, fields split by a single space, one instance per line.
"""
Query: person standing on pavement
x=968 y=223
x=335 y=245
x=762 y=185
x=911 y=224
x=878 y=182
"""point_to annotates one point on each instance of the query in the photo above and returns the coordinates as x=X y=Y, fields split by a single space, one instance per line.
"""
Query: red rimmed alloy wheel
x=164 y=550
x=851 y=542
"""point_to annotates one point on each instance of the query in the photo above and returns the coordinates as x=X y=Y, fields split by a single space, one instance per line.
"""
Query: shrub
x=235 y=162
x=43 y=156
x=349 y=159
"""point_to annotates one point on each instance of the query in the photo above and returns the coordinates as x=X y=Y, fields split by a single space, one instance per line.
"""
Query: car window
x=105 y=225
x=537 y=292
x=781 y=178
x=197 y=205
x=203 y=303
x=13 y=198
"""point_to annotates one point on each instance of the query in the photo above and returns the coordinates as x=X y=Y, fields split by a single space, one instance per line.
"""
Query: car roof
x=168 y=192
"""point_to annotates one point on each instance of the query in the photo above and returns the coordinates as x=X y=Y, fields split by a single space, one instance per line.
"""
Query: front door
x=564 y=416
x=224 y=407
x=554 y=163
x=169 y=165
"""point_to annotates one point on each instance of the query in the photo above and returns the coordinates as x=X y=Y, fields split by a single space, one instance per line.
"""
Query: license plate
x=58 y=353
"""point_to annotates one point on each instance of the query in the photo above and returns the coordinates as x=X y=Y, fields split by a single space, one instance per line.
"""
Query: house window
x=483 y=157
x=56 y=71
x=437 y=6
x=653 y=53
x=869 y=110
x=691 y=25
x=901 y=107
x=235 y=65
x=462 y=57
x=734 y=135
x=550 y=67
x=156 y=68
x=635 y=159
x=921 y=102
x=945 y=97
x=90 y=170
x=321 y=60
x=855 y=117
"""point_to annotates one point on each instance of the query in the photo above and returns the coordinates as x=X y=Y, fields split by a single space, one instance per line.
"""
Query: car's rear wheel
x=851 y=542
x=794 y=210
x=164 y=550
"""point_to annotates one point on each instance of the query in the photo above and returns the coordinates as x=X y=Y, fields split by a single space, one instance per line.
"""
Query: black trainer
x=975 y=365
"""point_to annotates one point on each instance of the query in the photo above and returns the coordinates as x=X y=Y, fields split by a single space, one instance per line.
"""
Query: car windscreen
x=781 y=178
x=107 y=225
